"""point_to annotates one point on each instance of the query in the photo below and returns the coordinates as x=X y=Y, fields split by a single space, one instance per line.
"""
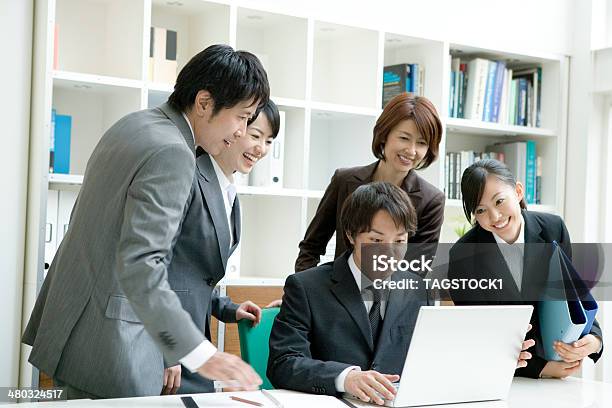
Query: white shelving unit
x=325 y=76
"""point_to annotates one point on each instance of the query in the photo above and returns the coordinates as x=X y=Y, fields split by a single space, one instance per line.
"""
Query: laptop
x=462 y=354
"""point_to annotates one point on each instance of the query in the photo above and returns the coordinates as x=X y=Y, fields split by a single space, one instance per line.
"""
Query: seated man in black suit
x=327 y=338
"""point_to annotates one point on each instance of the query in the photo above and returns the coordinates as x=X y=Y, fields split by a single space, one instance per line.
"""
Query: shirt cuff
x=342 y=376
x=198 y=356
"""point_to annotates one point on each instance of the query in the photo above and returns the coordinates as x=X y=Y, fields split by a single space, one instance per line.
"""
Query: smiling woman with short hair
x=406 y=138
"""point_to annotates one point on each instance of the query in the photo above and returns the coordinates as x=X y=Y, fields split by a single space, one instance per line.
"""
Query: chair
x=254 y=347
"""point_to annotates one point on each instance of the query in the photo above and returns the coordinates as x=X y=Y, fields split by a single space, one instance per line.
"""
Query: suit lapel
x=412 y=186
x=236 y=222
x=207 y=179
x=395 y=306
x=346 y=291
x=533 y=279
x=179 y=121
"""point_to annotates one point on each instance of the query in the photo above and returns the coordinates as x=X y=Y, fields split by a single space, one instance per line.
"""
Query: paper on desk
x=289 y=399
x=222 y=399
x=293 y=399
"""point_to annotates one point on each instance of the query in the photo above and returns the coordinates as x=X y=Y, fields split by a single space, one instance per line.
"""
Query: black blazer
x=323 y=328
x=427 y=200
x=200 y=257
x=469 y=260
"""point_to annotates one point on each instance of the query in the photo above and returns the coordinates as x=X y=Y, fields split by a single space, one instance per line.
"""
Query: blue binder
x=63 y=125
x=567 y=310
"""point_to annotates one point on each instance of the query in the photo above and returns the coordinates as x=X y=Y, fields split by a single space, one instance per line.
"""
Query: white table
x=524 y=393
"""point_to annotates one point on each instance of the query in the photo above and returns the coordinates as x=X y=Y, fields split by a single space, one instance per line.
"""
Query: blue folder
x=567 y=310
x=61 y=162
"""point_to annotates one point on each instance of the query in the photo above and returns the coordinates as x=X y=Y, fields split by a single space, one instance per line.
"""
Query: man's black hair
x=230 y=77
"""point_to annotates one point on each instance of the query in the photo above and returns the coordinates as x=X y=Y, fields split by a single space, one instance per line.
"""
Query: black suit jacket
x=200 y=257
x=323 y=328
x=469 y=259
x=427 y=200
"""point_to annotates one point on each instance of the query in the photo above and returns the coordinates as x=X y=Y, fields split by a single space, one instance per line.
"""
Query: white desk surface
x=524 y=393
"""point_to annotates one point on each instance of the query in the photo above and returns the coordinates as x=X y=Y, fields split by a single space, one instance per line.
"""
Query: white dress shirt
x=205 y=350
x=229 y=195
x=514 y=253
x=339 y=381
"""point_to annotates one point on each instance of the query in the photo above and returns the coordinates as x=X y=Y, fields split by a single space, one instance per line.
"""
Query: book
x=477 y=70
x=396 y=80
x=61 y=162
x=462 y=84
x=490 y=88
x=415 y=79
x=456 y=66
x=530 y=172
x=538 y=196
x=500 y=79
x=522 y=102
x=515 y=157
x=52 y=141
x=533 y=78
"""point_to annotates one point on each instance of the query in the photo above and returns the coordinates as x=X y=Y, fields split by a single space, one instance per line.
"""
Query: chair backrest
x=254 y=347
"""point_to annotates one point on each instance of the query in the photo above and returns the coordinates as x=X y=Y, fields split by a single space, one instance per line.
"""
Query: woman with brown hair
x=406 y=138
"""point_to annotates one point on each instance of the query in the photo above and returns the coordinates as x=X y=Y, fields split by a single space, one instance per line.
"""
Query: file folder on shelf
x=567 y=310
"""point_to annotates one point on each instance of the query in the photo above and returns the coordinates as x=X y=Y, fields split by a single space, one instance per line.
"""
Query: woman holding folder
x=503 y=244
x=406 y=138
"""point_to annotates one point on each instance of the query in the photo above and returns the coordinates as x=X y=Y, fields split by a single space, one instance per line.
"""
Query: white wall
x=16 y=19
x=536 y=26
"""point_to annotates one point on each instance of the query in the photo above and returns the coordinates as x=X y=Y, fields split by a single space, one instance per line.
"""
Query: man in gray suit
x=106 y=321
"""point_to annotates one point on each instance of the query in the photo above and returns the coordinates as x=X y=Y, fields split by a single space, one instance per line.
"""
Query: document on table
x=288 y=399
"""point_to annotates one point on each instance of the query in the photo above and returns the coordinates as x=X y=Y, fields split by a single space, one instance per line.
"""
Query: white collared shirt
x=514 y=253
x=229 y=192
x=358 y=279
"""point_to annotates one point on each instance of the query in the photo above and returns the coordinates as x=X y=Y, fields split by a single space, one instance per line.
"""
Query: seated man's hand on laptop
x=368 y=386
x=525 y=355
x=560 y=369
x=578 y=350
x=249 y=310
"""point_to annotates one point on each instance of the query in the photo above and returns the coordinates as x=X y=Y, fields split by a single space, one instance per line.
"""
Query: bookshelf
x=325 y=75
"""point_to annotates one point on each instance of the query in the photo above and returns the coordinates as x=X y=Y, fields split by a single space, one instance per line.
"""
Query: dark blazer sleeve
x=223 y=308
x=321 y=228
x=290 y=365
x=430 y=220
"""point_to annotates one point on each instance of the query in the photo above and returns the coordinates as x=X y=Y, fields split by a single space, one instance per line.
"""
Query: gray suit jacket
x=200 y=259
x=106 y=317
x=323 y=328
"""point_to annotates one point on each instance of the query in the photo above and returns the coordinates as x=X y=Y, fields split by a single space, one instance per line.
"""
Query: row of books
x=487 y=90
x=59 y=143
x=162 y=55
x=520 y=157
x=402 y=78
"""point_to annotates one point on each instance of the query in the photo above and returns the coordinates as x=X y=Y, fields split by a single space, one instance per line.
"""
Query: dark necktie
x=375 y=316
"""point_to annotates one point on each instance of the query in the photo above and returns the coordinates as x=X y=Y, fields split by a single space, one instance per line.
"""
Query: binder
x=269 y=171
x=61 y=158
x=567 y=309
